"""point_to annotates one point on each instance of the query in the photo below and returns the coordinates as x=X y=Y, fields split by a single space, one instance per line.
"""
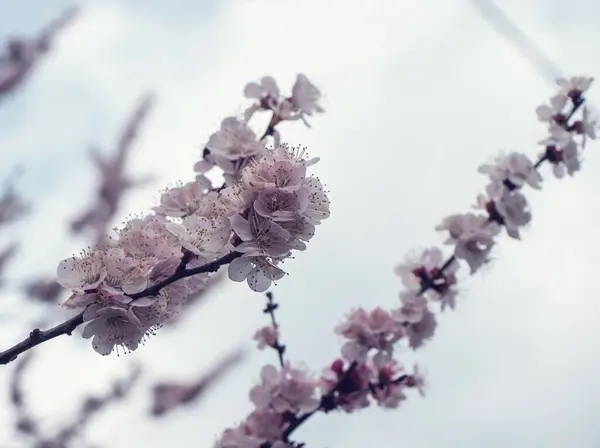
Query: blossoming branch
x=267 y=207
x=367 y=371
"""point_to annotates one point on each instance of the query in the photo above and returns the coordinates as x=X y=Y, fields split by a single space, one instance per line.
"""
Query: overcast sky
x=418 y=94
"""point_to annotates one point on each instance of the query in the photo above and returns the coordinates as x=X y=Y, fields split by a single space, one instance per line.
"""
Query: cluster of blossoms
x=267 y=207
x=367 y=371
x=287 y=395
x=236 y=144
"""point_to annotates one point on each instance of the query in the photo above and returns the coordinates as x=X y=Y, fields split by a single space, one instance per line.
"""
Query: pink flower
x=366 y=331
x=266 y=94
x=267 y=88
x=353 y=391
x=304 y=101
x=148 y=313
x=424 y=274
x=300 y=230
x=148 y=237
x=318 y=202
x=235 y=140
x=412 y=309
x=260 y=236
x=286 y=390
x=234 y=199
x=473 y=236
x=82 y=273
x=266 y=337
x=279 y=205
x=124 y=274
x=416 y=380
x=306 y=96
x=588 y=124
x=459 y=224
x=421 y=331
x=201 y=235
x=415 y=320
x=266 y=91
x=555 y=112
x=574 y=86
x=508 y=172
x=109 y=327
x=388 y=392
x=282 y=167
x=563 y=160
x=260 y=428
x=558 y=136
x=239 y=438
x=514 y=210
x=266 y=424
x=183 y=200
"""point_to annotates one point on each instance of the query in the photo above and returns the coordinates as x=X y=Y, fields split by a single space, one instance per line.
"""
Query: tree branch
x=38 y=336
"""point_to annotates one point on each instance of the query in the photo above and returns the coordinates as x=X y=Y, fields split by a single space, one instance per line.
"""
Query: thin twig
x=328 y=401
x=270 y=310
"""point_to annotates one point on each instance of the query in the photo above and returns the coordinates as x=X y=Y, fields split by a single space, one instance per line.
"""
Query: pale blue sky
x=418 y=94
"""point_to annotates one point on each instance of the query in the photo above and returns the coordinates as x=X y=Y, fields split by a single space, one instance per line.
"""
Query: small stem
x=425 y=286
x=38 y=336
x=213 y=266
x=275 y=120
x=270 y=309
